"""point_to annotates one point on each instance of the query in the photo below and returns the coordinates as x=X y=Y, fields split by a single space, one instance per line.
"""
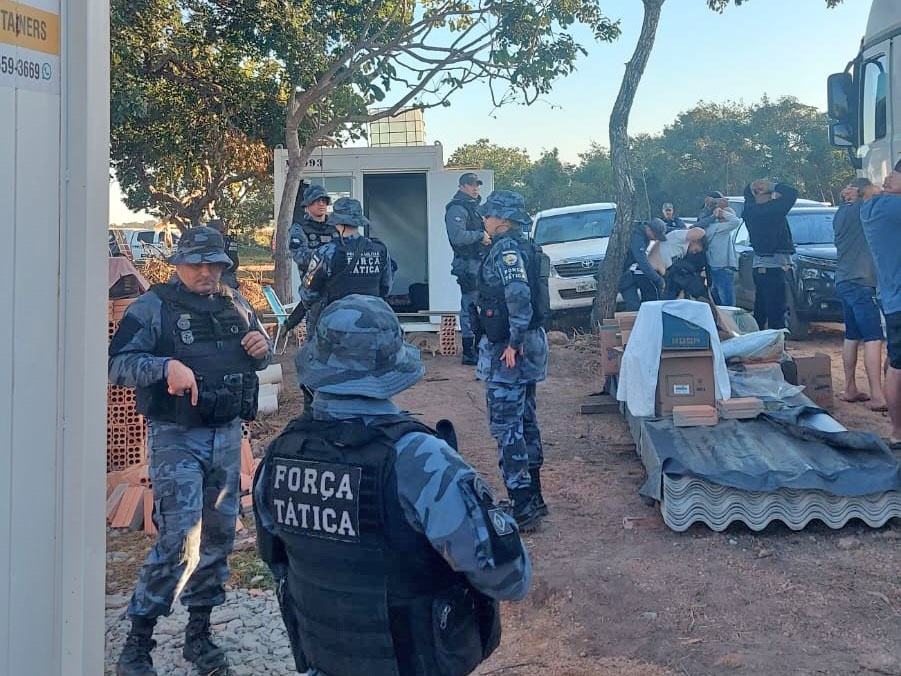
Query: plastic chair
x=281 y=314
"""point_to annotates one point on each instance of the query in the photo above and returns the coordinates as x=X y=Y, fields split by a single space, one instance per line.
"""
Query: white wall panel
x=53 y=214
x=35 y=492
x=7 y=290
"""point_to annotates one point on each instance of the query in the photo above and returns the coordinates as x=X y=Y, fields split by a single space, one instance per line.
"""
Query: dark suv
x=810 y=283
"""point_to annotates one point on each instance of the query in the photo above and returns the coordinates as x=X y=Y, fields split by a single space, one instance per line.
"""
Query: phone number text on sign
x=24 y=68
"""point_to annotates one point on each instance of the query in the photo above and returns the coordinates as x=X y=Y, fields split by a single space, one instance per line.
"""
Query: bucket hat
x=313 y=193
x=505 y=204
x=348 y=211
x=200 y=245
x=358 y=349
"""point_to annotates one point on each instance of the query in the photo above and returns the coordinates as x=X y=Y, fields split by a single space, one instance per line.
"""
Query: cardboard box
x=610 y=359
x=685 y=378
x=814 y=372
x=679 y=334
x=626 y=320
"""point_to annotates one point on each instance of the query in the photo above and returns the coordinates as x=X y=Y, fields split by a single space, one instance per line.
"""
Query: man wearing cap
x=388 y=550
x=310 y=228
x=766 y=215
x=638 y=273
x=230 y=274
x=670 y=220
x=513 y=353
x=855 y=285
x=191 y=348
x=470 y=242
x=881 y=218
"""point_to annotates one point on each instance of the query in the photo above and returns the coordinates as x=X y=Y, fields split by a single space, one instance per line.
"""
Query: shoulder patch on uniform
x=499 y=521
x=510 y=258
x=457 y=219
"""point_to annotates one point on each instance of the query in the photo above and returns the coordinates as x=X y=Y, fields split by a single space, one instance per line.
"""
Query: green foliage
x=713 y=146
x=191 y=114
x=510 y=165
x=350 y=62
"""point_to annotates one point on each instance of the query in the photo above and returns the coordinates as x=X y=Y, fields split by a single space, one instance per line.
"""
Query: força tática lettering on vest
x=316 y=499
x=370 y=263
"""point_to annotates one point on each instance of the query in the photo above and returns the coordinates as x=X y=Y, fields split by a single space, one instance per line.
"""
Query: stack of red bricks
x=125 y=429
x=447 y=336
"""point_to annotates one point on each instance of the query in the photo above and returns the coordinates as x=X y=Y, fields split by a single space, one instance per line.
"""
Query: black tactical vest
x=473 y=224
x=494 y=318
x=364 y=592
x=205 y=334
x=316 y=233
x=357 y=267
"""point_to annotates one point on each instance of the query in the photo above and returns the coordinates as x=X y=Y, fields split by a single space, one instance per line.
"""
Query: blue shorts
x=862 y=321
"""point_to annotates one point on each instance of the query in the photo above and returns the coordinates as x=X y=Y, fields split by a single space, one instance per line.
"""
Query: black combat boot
x=135 y=659
x=535 y=487
x=208 y=658
x=470 y=358
x=524 y=509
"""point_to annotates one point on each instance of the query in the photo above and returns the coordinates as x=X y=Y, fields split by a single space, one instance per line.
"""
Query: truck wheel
x=798 y=327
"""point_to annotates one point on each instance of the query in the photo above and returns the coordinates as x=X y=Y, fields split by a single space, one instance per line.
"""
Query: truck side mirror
x=841 y=135
x=839 y=87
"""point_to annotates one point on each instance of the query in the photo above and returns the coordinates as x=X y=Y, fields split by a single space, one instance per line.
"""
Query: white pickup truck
x=575 y=239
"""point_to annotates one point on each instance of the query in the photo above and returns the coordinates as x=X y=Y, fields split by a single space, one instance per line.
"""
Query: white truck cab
x=575 y=239
x=865 y=99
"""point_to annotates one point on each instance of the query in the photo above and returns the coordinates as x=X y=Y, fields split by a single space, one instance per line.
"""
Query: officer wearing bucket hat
x=191 y=347
x=388 y=550
x=349 y=263
x=513 y=306
x=310 y=228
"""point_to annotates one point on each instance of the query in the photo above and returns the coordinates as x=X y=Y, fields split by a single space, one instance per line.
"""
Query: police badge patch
x=511 y=267
x=499 y=522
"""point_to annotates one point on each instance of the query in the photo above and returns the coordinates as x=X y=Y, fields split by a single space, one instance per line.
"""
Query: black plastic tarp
x=768 y=453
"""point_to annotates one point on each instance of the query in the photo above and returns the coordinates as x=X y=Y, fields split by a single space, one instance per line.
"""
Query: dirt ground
x=647 y=601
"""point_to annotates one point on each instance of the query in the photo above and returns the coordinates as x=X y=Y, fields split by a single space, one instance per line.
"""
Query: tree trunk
x=283 y=260
x=620 y=156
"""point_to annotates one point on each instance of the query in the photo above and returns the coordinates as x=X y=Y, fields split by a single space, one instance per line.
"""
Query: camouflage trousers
x=513 y=422
x=196 y=475
x=468 y=300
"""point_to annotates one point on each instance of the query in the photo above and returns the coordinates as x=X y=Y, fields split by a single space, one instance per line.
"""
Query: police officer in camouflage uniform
x=310 y=229
x=470 y=242
x=388 y=550
x=349 y=263
x=230 y=275
x=191 y=348
x=513 y=352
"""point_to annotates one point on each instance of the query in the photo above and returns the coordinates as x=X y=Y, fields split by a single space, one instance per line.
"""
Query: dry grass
x=156 y=270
